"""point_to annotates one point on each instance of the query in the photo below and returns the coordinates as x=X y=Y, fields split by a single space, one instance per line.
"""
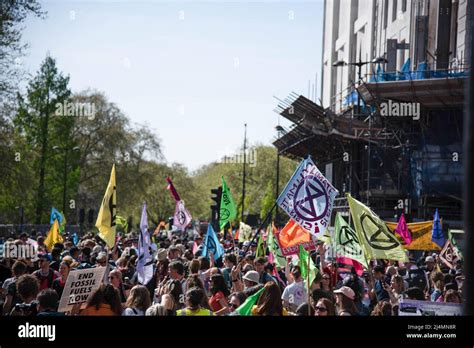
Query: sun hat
x=252 y=276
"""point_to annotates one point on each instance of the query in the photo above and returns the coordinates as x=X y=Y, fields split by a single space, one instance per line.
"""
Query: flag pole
x=309 y=276
x=259 y=228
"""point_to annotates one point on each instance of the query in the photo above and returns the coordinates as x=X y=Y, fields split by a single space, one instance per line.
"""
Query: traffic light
x=215 y=208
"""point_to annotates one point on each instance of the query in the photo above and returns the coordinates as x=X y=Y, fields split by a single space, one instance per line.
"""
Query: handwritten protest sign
x=80 y=284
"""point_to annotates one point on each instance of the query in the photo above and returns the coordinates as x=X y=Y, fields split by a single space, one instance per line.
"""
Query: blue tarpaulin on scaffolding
x=420 y=73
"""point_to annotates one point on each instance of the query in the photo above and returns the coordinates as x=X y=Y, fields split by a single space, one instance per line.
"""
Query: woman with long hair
x=218 y=301
x=269 y=302
x=105 y=301
x=324 y=308
x=138 y=301
x=345 y=301
x=59 y=283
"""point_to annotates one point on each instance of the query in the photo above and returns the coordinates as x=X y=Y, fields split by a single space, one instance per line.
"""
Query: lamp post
x=66 y=151
x=280 y=130
x=359 y=65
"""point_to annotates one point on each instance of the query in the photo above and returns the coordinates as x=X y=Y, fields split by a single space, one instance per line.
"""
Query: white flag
x=145 y=258
x=308 y=198
x=182 y=218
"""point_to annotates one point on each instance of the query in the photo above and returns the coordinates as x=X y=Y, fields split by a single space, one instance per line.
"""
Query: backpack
x=417 y=278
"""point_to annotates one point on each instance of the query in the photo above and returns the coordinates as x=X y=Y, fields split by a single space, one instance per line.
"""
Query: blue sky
x=194 y=72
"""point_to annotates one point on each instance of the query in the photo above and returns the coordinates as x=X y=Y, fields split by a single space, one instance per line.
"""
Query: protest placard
x=80 y=284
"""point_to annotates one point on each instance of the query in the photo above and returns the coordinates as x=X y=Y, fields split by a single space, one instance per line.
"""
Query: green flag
x=228 y=210
x=245 y=308
x=272 y=243
x=120 y=220
x=374 y=236
x=260 y=246
x=313 y=270
x=347 y=243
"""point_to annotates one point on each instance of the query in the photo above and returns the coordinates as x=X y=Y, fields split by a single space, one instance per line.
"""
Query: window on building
x=404 y=5
x=394 y=9
x=385 y=14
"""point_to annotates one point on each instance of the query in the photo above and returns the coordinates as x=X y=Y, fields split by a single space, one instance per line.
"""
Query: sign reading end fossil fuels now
x=80 y=284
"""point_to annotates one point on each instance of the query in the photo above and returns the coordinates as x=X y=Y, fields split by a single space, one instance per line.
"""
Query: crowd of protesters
x=187 y=283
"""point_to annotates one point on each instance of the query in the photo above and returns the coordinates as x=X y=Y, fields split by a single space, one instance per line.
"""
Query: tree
x=45 y=91
x=12 y=14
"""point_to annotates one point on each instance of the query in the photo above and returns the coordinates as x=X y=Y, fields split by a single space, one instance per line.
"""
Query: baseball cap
x=252 y=276
x=346 y=291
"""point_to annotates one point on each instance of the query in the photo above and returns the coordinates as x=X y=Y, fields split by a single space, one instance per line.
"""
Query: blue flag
x=75 y=238
x=55 y=215
x=211 y=244
x=437 y=235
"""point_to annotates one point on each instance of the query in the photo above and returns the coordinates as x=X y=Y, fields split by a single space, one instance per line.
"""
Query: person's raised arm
x=237 y=284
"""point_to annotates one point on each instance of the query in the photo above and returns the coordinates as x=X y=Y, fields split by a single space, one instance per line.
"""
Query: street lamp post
x=359 y=65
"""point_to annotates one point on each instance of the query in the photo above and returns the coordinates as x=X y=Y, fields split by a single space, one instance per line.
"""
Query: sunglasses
x=233 y=305
x=320 y=309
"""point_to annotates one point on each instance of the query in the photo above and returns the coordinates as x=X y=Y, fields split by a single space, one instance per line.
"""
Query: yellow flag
x=420 y=233
x=107 y=213
x=374 y=236
x=53 y=236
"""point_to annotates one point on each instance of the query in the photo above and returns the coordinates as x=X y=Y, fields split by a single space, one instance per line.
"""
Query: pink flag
x=195 y=248
x=402 y=230
x=173 y=191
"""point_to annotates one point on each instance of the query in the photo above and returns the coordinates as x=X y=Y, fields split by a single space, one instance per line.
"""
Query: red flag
x=349 y=262
x=173 y=191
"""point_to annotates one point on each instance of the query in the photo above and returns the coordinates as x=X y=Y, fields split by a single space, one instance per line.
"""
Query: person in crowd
x=229 y=262
x=45 y=274
x=324 y=307
x=138 y=301
x=345 y=301
x=171 y=295
x=27 y=287
x=294 y=293
x=157 y=310
x=250 y=279
x=115 y=279
x=378 y=291
x=269 y=303
x=176 y=272
x=415 y=293
x=260 y=268
x=382 y=309
x=47 y=303
x=452 y=296
x=437 y=281
x=55 y=259
x=326 y=283
x=236 y=299
x=105 y=301
x=12 y=297
x=59 y=283
x=194 y=297
x=218 y=301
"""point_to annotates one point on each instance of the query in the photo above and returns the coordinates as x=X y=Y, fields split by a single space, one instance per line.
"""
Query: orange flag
x=293 y=234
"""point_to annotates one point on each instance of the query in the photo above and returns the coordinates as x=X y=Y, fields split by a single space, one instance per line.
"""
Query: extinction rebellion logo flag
x=308 y=198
